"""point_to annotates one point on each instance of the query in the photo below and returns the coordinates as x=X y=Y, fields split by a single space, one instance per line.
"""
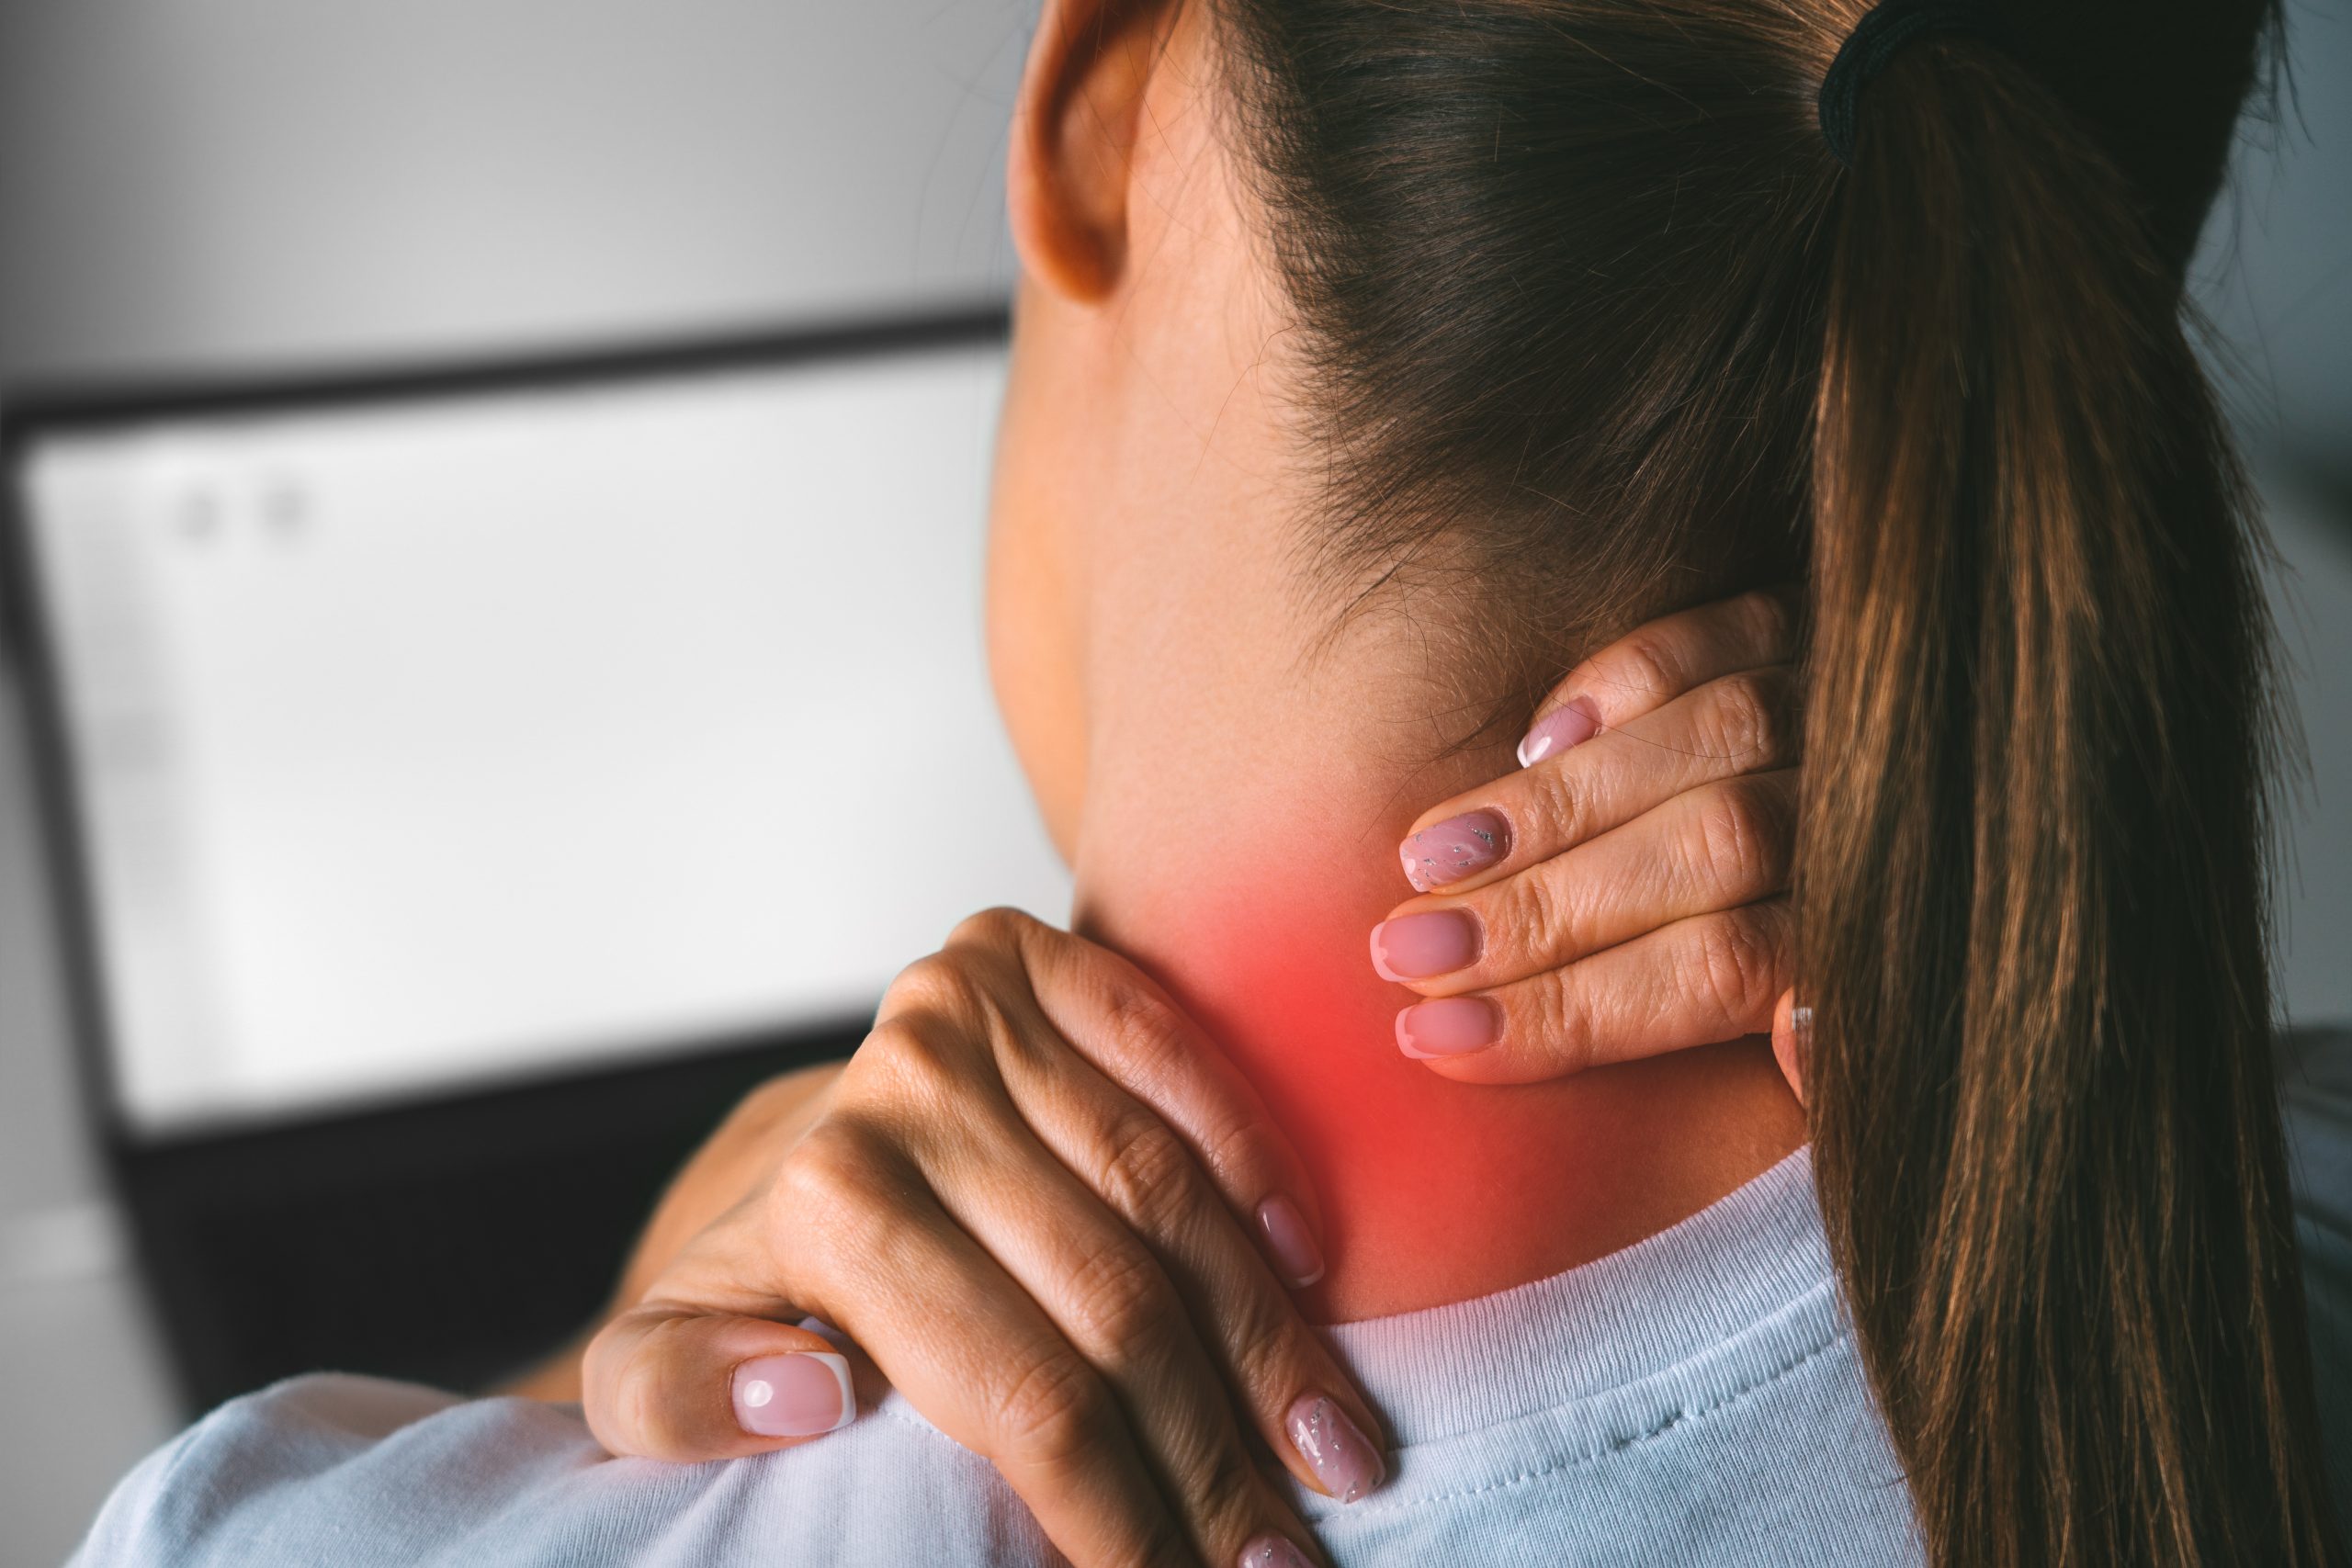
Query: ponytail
x=1587 y=301
x=2046 y=1134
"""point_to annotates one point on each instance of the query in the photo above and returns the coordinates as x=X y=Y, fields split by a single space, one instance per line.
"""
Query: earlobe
x=1074 y=131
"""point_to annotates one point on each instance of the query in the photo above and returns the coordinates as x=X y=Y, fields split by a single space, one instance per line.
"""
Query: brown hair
x=1589 y=311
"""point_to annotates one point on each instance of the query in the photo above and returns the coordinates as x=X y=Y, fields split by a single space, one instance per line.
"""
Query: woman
x=1369 y=353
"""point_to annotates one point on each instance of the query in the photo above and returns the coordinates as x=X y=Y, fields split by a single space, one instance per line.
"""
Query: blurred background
x=551 y=375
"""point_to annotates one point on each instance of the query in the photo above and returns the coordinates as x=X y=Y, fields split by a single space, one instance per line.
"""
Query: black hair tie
x=1872 y=47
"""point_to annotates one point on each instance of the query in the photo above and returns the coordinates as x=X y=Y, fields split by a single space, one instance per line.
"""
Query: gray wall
x=271 y=179
x=2276 y=274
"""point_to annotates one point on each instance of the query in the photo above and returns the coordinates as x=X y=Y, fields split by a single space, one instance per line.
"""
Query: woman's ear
x=1068 y=171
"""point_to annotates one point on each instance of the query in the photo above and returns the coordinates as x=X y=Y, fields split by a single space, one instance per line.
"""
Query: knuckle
x=1122 y=1307
x=1733 y=838
x=1744 y=722
x=1148 y=1174
x=1541 y=910
x=1138 y=1033
x=999 y=927
x=1738 y=962
x=824 y=1188
x=944 y=985
x=1052 y=1415
x=915 y=1058
x=1557 y=799
x=1644 y=665
x=1563 y=1025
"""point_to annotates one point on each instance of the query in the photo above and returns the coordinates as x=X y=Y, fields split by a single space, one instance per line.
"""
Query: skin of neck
x=1230 y=762
x=1237 y=839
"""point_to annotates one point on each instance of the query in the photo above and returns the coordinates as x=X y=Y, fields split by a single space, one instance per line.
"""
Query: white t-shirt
x=1695 y=1399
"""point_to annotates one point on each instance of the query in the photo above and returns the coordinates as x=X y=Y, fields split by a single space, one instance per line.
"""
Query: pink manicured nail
x=799 y=1395
x=1292 y=1244
x=1571 y=724
x=1272 y=1551
x=1342 y=1459
x=1414 y=947
x=1452 y=1026
x=1454 y=849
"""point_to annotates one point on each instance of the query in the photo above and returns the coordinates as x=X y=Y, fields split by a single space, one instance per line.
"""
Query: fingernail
x=1452 y=1026
x=1292 y=1244
x=1342 y=1458
x=1573 y=723
x=797 y=1395
x=1801 y=1024
x=1414 y=947
x=1454 y=849
x=1272 y=1551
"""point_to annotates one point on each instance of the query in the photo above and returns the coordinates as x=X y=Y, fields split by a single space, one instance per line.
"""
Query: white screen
x=427 y=743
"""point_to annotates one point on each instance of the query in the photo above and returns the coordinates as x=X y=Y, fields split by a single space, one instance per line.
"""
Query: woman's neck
x=1244 y=799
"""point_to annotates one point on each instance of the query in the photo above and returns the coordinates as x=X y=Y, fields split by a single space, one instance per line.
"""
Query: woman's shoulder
x=368 y=1473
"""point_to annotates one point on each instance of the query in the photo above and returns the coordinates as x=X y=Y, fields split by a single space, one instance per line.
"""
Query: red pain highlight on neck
x=1431 y=1190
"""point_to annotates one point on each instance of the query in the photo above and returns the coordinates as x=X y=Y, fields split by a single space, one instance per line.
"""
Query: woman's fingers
x=1157 y=1124
x=1113 y=1016
x=1108 y=1292
x=680 y=1377
x=1307 y=1409
x=667 y=1380
x=1617 y=898
x=988 y=1366
x=1055 y=1219
x=1697 y=981
x=1655 y=663
x=1744 y=722
x=1714 y=847
x=1098 y=1284
x=943 y=1322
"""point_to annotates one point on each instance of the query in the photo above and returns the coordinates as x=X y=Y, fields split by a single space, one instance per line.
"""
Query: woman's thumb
x=666 y=1381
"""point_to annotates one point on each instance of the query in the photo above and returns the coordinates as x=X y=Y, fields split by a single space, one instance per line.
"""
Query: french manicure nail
x=1573 y=723
x=1342 y=1459
x=1292 y=1244
x=1272 y=1551
x=1454 y=849
x=1451 y=1026
x=797 y=1395
x=1415 y=947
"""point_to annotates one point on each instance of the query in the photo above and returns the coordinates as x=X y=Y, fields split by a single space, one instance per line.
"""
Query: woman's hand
x=1054 y=1215
x=1624 y=894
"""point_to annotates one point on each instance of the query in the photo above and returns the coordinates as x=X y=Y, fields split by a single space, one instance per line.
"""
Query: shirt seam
x=1683 y=1415
x=1797 y=1307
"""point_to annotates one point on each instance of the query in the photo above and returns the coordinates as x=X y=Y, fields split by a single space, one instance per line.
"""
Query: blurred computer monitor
x=462 y=785
x=456 y=732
